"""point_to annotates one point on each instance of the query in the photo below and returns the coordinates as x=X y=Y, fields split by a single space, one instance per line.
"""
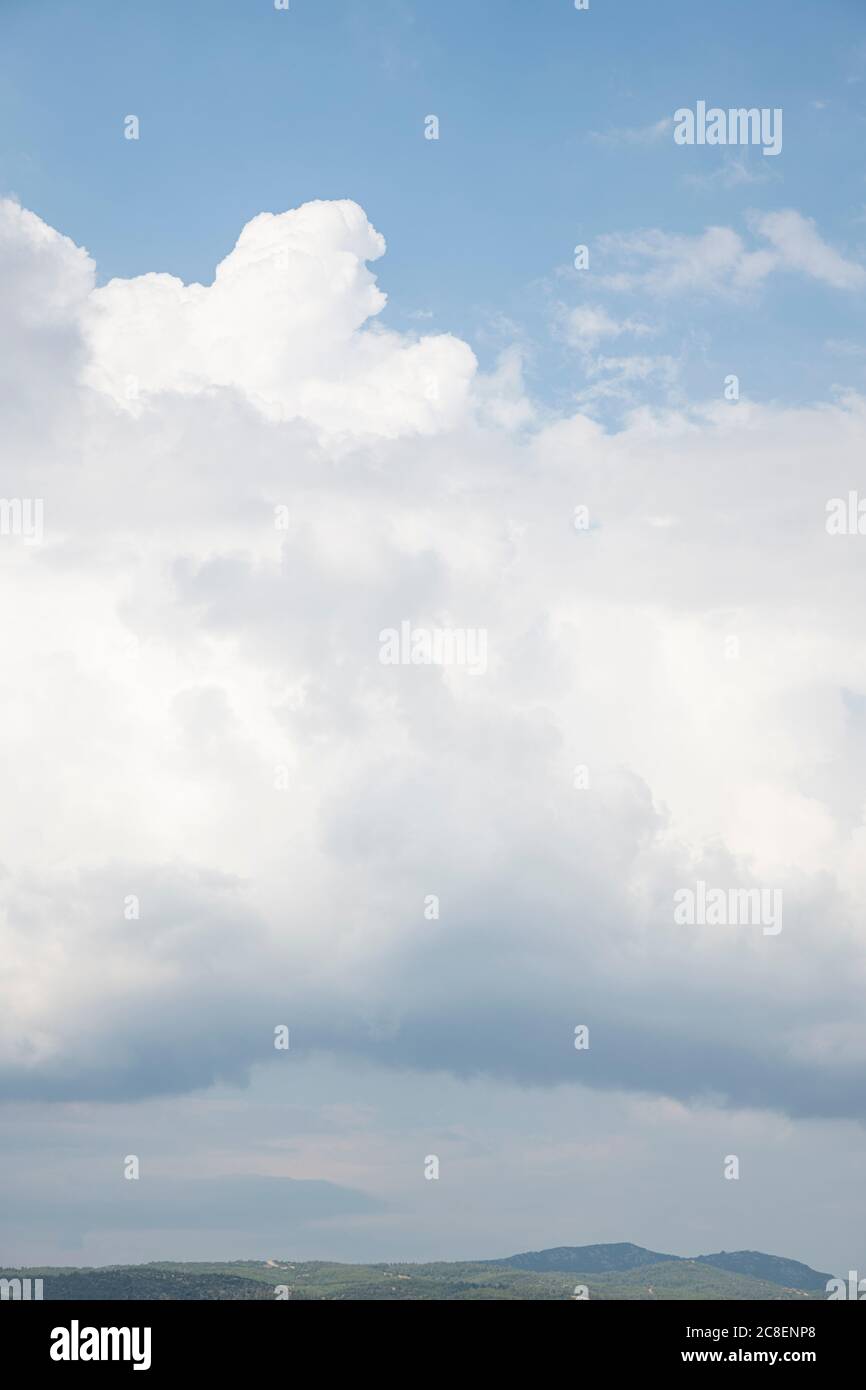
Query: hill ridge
x=620 y=1257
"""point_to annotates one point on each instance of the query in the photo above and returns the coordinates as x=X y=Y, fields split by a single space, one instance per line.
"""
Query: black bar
x=268 y=1340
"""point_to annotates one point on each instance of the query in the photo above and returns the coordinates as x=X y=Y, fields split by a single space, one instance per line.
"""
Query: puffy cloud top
x=282 y=323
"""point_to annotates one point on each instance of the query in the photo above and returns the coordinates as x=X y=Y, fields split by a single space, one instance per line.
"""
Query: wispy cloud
x=735 y=172
x=589 y=323
x=619 y=379
x=799 y=246
x=635 y=135
x=719 y=261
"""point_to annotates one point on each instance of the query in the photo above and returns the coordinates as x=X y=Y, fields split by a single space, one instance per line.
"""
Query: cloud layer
x=244 y=485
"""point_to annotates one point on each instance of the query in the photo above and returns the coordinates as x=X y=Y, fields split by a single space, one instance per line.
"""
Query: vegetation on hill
x=555 y=1275
x=602 y=1259
x=789 y=1273
x=599 y=1259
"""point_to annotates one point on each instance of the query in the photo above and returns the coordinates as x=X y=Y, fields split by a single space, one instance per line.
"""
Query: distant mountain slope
x=676 y=1279
x=586 y=1259
x=605 y=1259
x=604 y=1272
x=771 y=1268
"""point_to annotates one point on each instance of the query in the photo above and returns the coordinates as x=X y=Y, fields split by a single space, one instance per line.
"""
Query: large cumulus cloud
x=194 y=711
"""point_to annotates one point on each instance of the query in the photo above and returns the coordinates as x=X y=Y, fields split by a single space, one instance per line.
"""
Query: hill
x=608 y=1272
x=604 y=1259
x=775 y=1270
x=589 y=1259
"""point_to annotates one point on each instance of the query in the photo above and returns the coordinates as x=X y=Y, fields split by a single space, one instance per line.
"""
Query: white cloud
x=586 y=325
x=799 y=246
x=615 y=378
x=719 y=261
x=284 y=322
x=166 y=650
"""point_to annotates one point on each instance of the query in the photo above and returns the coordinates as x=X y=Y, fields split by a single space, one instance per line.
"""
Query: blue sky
x=244 y=108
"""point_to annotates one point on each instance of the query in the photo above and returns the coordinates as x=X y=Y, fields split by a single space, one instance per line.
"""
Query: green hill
x=775 y=1270
x=608 y=1272
x=687 y=1279
x=597 y=1259
x=603 y=1259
